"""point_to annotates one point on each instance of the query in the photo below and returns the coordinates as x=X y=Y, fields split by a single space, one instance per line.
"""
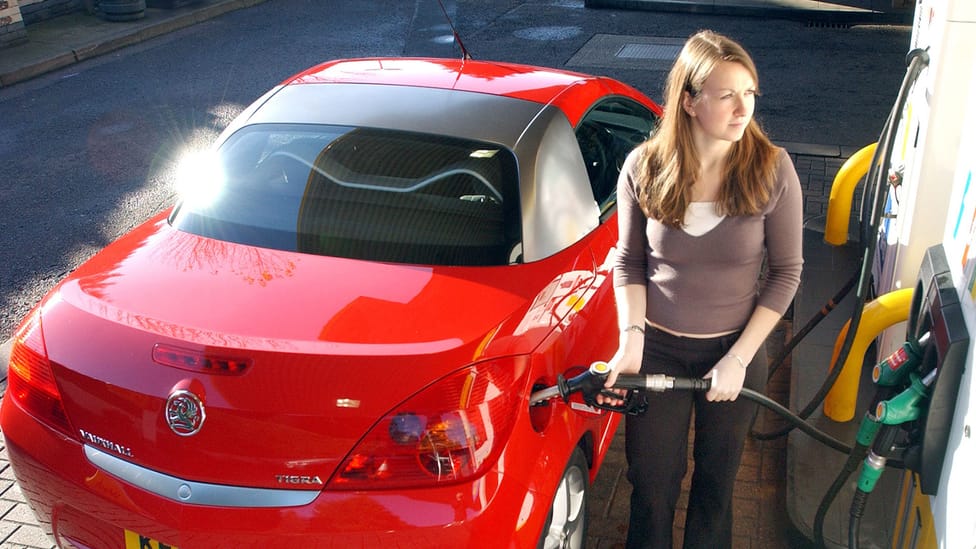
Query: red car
x=331 y=339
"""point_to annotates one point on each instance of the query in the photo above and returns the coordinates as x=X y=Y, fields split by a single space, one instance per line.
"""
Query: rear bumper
x=80 y=505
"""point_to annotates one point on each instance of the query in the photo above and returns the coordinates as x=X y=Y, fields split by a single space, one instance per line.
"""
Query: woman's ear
x=688 y=103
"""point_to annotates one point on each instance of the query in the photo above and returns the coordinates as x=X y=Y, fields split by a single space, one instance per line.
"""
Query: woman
x=703 y=206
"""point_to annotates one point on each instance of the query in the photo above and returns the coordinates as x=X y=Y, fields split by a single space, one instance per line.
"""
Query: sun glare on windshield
x=199 y=178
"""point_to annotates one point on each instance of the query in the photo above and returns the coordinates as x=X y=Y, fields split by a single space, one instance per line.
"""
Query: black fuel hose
x=810 y=325
x=874 y=463
x=854 y=459
x=590 y=383
x=658 y=383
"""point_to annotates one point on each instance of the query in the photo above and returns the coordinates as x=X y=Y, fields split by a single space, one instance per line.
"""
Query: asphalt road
x=88 y=152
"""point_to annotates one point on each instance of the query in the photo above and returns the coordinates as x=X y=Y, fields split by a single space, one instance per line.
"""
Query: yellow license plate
x=138 y=541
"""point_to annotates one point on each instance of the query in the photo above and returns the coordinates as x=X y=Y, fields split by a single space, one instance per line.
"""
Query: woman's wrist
x=635 y=328
x=631 y=333
x=742 y=362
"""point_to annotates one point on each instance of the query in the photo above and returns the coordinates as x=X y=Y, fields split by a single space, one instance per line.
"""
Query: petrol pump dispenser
x=935 y=212
x=928 y=239
x=936 y=310
x=912 y=414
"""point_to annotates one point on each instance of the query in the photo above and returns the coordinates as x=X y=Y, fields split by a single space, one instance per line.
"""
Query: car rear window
x=362 y=193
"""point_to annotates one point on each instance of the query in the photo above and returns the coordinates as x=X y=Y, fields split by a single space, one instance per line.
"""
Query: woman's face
x=724 y=106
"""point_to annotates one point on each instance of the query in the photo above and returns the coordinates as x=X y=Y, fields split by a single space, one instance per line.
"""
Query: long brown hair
x=669 y=165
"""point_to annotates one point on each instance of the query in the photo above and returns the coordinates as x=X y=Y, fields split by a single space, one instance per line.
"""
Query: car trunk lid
x=292 y=357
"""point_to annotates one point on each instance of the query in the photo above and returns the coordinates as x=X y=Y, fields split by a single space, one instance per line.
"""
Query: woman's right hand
x=627 y=360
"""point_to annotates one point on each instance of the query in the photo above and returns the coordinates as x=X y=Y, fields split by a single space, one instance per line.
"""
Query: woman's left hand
x=727 y=378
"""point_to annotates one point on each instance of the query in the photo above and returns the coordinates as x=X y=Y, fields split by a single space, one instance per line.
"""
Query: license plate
x=138 y=541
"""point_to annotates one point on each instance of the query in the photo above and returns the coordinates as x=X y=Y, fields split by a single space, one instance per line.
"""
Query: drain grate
x=655 y=53
x=660 y=52
x=828 y=25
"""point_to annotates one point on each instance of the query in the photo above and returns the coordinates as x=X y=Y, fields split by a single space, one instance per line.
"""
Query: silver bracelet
x=634 y=328
x=738 y=359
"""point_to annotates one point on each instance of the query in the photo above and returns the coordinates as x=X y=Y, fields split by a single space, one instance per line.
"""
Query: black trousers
x=657 y=445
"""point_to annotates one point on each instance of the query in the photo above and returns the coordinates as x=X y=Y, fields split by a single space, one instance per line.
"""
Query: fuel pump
x=928 y=367
x=927 y=239
x=888 y=376
x=938 y=311
x=915 y=402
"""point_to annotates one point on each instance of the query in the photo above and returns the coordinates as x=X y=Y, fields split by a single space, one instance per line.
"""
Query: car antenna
x=464 y=51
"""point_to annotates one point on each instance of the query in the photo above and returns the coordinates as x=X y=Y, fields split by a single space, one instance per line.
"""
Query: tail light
x=450 y=432
x=30 y=379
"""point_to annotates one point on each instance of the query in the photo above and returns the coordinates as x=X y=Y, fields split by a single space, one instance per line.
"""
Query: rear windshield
x=360 y=193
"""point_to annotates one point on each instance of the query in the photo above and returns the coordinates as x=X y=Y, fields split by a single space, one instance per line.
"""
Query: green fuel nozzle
x=904 y=407
x=896 y=367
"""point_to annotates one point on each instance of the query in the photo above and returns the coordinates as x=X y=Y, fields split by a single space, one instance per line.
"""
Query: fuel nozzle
x=904 y=407
x=894 y=369
x=592 y=383
x=891 y=413
x=589 y=383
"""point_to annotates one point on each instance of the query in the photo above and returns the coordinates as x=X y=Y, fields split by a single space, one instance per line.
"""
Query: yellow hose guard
x=842 y=194
x=879 y=314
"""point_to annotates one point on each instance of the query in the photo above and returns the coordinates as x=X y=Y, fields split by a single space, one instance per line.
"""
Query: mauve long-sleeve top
x=712 y=283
